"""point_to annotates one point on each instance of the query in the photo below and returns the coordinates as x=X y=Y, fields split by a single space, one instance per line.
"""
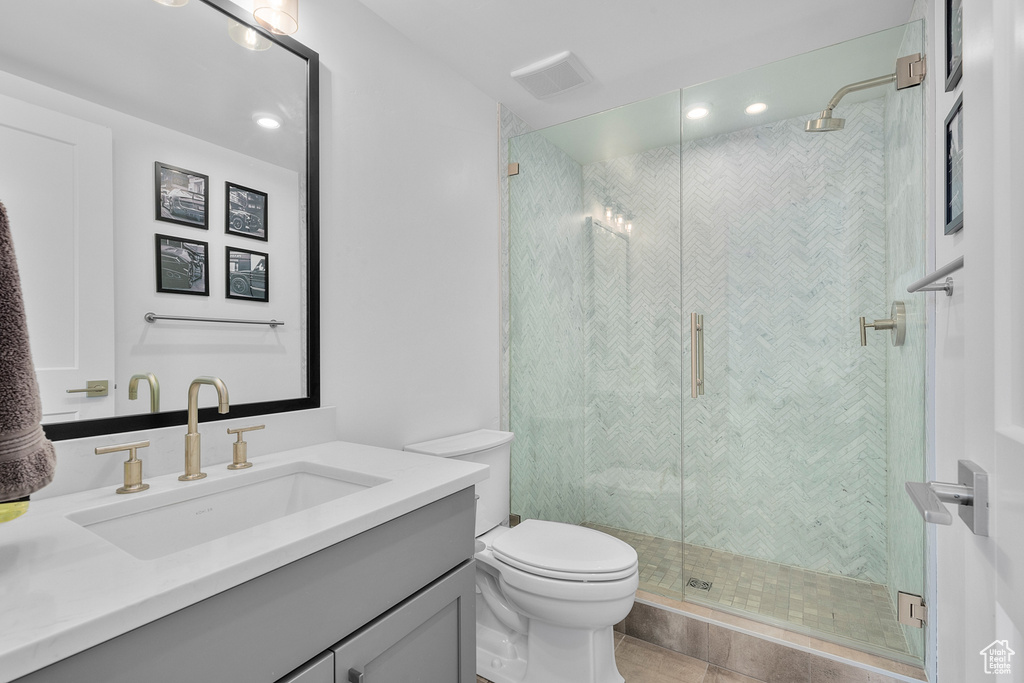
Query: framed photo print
x=181 y=266
x=248 y=274
x=181 y=196
x=246 y=212
x=954 y=43
x=955 y=168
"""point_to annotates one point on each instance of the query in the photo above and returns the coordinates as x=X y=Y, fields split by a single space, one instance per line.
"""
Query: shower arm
x=854 y=87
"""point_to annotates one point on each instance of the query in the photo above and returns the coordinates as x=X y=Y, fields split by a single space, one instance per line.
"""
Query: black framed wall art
x=181 y=266
x=247 y=273
x=954 y=43
x=246 y=212
x=955 y=168
x=181 y=196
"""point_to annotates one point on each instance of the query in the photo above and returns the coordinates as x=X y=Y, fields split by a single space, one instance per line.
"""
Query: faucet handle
x=132 y=466
x=239 y=448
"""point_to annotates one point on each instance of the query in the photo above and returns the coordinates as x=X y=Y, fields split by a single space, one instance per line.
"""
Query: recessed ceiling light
x=173 y=3
x=268 y=121
x=698 y=111
x=756 y=108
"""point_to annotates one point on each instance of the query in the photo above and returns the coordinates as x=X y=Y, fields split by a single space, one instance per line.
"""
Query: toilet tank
x=485 y=446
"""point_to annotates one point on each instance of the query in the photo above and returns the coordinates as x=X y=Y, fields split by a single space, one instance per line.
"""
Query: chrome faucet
x=192 y=465
x=154 y=390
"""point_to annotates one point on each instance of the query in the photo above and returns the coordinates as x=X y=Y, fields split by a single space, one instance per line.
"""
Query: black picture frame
x=182 y=266
x=954 y=126
x=954 y=43
x=246 y=274
x=245 y=212
x=182 y=196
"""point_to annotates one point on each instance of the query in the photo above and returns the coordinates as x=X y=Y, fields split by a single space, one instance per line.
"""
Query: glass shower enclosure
x=685 y=361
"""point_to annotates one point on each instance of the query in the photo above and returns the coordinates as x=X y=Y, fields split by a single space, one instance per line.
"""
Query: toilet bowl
x=548 y=593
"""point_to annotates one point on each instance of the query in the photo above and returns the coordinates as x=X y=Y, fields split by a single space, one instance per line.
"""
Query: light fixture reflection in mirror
x=277 y=16
x=268 y=121
x=247 y=37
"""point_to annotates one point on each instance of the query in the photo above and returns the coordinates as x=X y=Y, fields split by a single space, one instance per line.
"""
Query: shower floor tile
x=828 y=604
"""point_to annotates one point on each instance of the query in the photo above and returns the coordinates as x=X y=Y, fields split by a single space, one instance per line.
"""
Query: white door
x=980 y=355
x=56 y=180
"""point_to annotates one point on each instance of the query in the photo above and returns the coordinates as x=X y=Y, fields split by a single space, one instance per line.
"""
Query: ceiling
x=634 y=49
x=799 y=86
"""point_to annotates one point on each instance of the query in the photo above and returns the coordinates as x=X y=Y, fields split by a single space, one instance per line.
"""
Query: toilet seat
x=565 y=552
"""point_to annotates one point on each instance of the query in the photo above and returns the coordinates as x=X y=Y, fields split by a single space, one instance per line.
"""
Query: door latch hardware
x=94 y=388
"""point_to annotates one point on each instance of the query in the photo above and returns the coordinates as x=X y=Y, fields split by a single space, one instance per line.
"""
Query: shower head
x=910 y=71
x=824 y=124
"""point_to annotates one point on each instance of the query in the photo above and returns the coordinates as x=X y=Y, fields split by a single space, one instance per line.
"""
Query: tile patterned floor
x=828 y=604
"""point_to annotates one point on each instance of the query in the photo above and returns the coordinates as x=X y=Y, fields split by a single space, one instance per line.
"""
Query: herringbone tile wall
x=546 y=373
x=783 y=249
x=906 y=220
x=633 y=350
x=509 y=126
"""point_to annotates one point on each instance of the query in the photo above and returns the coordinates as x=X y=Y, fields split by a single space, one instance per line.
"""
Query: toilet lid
x=555 y=549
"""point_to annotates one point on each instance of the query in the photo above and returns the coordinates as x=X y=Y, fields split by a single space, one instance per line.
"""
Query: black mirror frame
x=129 y=423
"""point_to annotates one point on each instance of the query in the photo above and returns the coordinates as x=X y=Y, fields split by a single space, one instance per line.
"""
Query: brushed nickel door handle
x=696 y=355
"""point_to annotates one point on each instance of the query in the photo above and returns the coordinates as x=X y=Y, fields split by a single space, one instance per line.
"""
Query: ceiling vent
x=561 y=73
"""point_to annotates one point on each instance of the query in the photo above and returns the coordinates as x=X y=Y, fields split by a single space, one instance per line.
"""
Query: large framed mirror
x=160 y=174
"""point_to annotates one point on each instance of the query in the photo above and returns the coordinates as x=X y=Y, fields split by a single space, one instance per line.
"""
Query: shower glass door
x=595 y=338
x=777 y=491
x=797 y=448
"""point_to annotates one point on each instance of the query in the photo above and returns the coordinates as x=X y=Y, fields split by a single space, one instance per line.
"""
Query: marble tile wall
x=509 y=126
x=546 y=359
x=783 y=250
x=633 y=348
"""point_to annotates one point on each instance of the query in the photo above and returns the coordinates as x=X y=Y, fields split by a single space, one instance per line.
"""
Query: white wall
x=409 y=234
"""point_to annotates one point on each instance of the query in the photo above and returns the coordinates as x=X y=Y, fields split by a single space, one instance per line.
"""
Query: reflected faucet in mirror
x=192 y=453
x=154 y=390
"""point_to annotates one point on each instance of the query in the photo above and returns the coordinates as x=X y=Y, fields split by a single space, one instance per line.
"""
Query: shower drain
x=699 y=584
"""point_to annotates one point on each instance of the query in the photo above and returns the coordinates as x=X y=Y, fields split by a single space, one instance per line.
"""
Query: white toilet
x=548 y=593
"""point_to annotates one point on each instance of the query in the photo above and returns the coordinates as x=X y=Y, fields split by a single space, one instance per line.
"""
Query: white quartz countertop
x=64 y=589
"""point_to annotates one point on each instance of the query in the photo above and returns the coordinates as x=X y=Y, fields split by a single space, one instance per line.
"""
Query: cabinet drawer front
x=430 y=638
x=320 y=669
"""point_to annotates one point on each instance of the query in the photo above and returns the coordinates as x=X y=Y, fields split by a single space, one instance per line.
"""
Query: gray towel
x=27 y=460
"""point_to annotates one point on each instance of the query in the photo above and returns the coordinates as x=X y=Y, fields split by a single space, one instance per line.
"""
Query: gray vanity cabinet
x=420 y=640
x=318 y=670
x=396 y=598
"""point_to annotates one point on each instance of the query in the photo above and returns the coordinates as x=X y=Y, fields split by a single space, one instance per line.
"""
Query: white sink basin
x=159 y=523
